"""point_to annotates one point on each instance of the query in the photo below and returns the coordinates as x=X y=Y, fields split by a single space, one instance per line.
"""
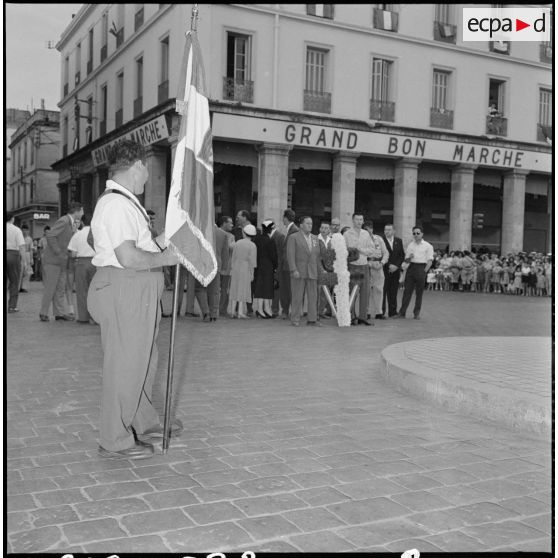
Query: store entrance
x=311 y=195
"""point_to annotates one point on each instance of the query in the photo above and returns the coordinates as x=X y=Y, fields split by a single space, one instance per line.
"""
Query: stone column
x=156 y=187
x=550 y=232
x=405 y=198
x=343 y=186
x=273 y=177
x=461 y=207
x=513 y=211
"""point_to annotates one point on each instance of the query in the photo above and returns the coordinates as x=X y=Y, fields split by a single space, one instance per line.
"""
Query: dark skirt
x=263 y=280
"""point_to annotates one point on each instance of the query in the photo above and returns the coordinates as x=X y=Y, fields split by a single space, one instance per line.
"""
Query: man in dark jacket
x=285 y=273
x=392 y=269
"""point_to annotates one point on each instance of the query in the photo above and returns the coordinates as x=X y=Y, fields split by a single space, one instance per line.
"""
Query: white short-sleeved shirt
x=115 y=220
x=78 y=243
x=14 y=237
x=422 y=251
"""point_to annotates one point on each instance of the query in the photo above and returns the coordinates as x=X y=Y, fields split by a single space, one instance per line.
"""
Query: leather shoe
x=365 y=322
x=157 y=431
x=64 y=318
x=296 y=324
x=317 y=324
x=416 y=317
x=137 y=451
x=192 y=315
x=354 y=321
x=22 y=290
x=379 y=317
x=43 y=318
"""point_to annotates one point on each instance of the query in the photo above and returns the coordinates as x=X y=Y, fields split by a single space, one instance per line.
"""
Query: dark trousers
x=360 y=275
x=391 y=287
x=194 y=290
x=84 y=273
x=414 y=281
x=12 y=275
x=224 y=295
x=213 y=295
x=285 y=291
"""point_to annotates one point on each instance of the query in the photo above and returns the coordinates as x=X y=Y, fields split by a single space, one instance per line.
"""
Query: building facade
x=31 y=183
x=325 y=108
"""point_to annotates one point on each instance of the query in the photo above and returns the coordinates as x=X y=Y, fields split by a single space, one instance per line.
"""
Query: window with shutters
x=320 y=10
x=445 y=29
x=65 y=137
x=31 y=152
x=103 y=111
x=138 y=101
x=24 y=154
x=496 y=122
x=544 y=128
x=163 y=88
x=316 y=97
x=90 y=52
x=382 y=106
x=119 y=101
x=237 y=84
x=104 y=36
x=66 y=76
x=441 y=115
x=385 y=17
x=138 y=17
x=78 y=64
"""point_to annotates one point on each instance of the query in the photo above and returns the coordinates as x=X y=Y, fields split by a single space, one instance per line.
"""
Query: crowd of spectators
x=526 y=274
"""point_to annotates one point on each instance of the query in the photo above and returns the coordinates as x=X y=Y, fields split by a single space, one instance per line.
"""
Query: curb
x=527 y=413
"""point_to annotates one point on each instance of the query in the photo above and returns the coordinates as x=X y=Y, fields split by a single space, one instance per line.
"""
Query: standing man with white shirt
x=82 y=252
x=124 y=299
x=15 y=251
x=418 y=259
x=324 y=238
x=377 y=279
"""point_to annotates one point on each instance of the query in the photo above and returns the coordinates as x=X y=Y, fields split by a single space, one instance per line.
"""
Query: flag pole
x=170 y=370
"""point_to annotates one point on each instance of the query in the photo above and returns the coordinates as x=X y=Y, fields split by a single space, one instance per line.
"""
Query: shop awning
x=230 y=153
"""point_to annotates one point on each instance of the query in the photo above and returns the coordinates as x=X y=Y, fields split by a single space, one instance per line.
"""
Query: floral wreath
x=341 y=290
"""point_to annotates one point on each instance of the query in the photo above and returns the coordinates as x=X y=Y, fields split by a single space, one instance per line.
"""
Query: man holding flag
x=124 y=299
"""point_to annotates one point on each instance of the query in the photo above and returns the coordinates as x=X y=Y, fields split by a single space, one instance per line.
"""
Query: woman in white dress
x=244 y=260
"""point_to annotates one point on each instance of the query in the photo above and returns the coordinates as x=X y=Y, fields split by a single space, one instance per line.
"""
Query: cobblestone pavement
x=293 y=442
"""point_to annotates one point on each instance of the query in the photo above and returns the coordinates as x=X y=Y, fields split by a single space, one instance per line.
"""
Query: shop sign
x=236 y=127
x=41 y=216
x=151 y=132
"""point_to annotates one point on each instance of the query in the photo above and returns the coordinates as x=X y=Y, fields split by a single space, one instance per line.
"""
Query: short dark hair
x=417 y=227
x=122 y=155
x=360 y=213
x=223 y=219
x=303 y=218
x=74 y=206
x=9 y=216
x=85 y=219
x=368 y=225
x=47 y=228
x=388 y=225
x=289 y=214
x=325 y=223
x=24 y=227
x=245 y=214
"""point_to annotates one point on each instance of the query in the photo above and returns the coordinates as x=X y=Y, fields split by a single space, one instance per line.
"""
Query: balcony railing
x=544 y=132
x=119 y=37
x=441 y=118
x=382 y=110
x=496 y=125
x=89 y=66
x=546 y=53
x=118 y=118
x=163 y=92
x=77 y=78
x=315 y=101
x=66 y=89
x=103 y=52
x=138 y=106
x=102 y=127
x=445 y=32
x=238 y=90
x=138 y=19
x=501 y=47
x=386 y=20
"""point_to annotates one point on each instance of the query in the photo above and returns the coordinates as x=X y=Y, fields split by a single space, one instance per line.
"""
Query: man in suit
x=279 y=238
x=242 y=219
x=303 y=254
x=225 y=223
x=285 y=273
x=392 y=269
x=214 y=288
x=55 y=263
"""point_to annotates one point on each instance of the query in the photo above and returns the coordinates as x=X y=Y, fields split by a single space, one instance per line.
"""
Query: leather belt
x=152 y=270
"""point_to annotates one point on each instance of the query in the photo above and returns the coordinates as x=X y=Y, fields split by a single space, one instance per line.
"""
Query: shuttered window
x=316 y=70
x=381 y=77
x=440 y=89
x=545 y=107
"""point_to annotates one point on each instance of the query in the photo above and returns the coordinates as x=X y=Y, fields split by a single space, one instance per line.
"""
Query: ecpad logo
x=506 y=24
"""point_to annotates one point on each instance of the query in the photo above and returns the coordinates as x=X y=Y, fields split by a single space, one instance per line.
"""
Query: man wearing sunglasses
x=418 y=259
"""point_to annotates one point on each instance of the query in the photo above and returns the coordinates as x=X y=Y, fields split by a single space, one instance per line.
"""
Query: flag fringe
x=186 y=262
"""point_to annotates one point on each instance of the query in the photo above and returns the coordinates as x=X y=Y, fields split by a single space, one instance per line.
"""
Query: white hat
x=249 y=230
x=268 y=222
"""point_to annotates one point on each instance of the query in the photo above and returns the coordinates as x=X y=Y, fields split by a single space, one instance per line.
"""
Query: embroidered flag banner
x=190 y=212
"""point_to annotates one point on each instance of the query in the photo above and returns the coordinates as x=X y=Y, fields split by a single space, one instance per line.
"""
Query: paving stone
x=216 y=512
x=269 y=504
x=37 y=540
x=314 y=479
x=170 y=499
x=53 y=516
x=437 y=521
x=110 y=508
x=421 y=501
x=143 y=544
x=542 y=522
x=295 y=454
x=346 y=460
x=21 y=502
x=456 y=541
x=18 y=521
x=313 y=519
x=30 y=486
x=316 y=542
x=307 y=465
x=153 y=471
x=416 y=481
x=504 y=533
x=484 y=512
x=59 y=497
x=200 y=466
x=321 y=496
x=155 y=521
x=250 y=459
x=223 y=492
x=369 y=488
x=278 y=468
x=524 y=505
x=266 y=527
x=217 y=478
x=268 y=485
x=450 y=477
x=65 y=458
x=74 y=481
x=502 y=488
x=117 y=490
x=94 y=530
x=381 y=532
x=538 y=545
x=269 y=546
x=208 y=538
x=95 y=466
x=459 y=495
x=173 y=481
x=350 y=474
x=116 y=475
x=407 y=544
x=533 y=481
x=43 y=472
x=364 y=511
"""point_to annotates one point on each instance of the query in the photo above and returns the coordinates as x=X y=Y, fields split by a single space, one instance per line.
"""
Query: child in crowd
x=430 y=280
x=517 y=281
x=541 y=281
x=505 y=277
x=495 y=277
